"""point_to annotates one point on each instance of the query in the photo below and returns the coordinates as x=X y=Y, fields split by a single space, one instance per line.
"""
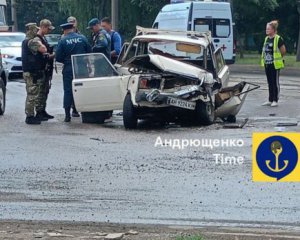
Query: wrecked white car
x=162 y=75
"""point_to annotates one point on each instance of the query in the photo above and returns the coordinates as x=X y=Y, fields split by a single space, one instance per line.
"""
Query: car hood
x=174 y=66
x=13 y=51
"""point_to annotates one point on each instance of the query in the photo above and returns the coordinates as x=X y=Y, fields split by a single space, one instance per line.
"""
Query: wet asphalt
x=104 y=173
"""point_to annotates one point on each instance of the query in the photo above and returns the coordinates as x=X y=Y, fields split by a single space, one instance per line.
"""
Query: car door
x=97 y=86
x=221 y=68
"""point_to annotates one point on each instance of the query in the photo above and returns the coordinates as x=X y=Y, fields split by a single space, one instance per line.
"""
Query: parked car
x=11 y=52
x=165 y=75
x=3 y=77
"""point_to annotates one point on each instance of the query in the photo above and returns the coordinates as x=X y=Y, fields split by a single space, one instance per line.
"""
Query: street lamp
x=115 y=14
x=298 y=50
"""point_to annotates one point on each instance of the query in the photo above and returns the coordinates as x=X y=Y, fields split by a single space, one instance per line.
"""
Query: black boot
x=32 y=121
x=47 y=115
x=68 y=115
x=75 y=113
x=41 y=116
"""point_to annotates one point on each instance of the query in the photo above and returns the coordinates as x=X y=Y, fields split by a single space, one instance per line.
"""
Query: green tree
x=84 y=10
x=251 y=17
x=132 y=12
x=33 y=11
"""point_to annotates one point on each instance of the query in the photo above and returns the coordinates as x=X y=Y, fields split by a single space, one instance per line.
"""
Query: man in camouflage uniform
x=32 y=63
x=44 y=86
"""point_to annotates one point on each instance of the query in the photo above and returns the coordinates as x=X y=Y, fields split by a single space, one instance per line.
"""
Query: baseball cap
x=93 y=22
x=71 y=19
x=31 y=26
x=67 y=25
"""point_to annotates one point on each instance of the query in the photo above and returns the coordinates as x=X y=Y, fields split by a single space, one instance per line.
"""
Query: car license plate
x=181 y=103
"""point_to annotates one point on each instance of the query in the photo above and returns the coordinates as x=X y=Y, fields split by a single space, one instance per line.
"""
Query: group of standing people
x=38 y=58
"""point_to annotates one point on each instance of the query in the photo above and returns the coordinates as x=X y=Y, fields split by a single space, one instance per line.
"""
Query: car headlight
x=149 y=82
x=143 y=83
x=7 y=56
x=209 y=79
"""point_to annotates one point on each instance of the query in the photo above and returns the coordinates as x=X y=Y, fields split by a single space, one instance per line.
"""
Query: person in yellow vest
x=272 y=60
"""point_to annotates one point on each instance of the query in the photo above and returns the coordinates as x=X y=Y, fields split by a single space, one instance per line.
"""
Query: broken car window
x=92 y=66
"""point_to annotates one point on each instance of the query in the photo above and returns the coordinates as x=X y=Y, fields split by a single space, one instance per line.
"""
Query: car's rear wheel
x=94 y=117
x=205 y=113
x=2 y=97
x=129 y=114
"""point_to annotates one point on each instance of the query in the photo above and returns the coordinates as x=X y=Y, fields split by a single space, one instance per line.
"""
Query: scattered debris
x=132 y=232
x=56 y=234
x=97 y=139
x=114 y=236
x=101 y=234
x=287 y=124
x=38 y=235
x=236 y=125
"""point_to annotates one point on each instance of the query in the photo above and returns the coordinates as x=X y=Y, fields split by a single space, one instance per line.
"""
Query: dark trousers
x=68 y=93
x=273 y=82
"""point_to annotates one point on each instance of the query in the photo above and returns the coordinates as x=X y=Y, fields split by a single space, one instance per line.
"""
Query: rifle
x=49 y=68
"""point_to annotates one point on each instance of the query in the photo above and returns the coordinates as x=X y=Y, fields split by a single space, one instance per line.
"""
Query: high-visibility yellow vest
x=278 y=59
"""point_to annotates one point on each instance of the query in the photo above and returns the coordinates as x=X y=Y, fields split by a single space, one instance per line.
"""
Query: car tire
x=231 y=119
x=129 y=114
x=93 y=117
x=205 y=113
x=2 y=97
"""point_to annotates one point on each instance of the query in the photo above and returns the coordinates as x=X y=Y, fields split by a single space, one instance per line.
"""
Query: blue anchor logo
x=277 y=157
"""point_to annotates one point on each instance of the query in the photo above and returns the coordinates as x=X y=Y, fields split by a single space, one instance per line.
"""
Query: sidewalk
x=28 y=230
x=255 y=69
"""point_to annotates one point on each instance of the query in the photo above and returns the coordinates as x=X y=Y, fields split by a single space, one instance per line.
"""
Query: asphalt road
x=103 y=173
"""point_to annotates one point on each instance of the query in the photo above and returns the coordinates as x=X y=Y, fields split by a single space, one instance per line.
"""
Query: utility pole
x=298 y=50
x=115 y=14
x=14 y=15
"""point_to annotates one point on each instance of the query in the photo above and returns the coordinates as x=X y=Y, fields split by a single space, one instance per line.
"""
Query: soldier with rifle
x=44 y=86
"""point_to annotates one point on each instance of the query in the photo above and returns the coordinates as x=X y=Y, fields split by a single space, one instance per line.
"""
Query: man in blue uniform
x=71 y=44
x=101 y=38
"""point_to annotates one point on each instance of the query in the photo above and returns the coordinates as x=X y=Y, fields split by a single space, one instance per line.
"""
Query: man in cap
x=73 y=20
x=116 y=41
x=44 y=86
x=71 y=44
x=101 y=38
x=33 y=64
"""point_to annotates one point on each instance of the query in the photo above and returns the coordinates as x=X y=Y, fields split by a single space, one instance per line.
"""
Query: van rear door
x=174 y=16
x=215 y=17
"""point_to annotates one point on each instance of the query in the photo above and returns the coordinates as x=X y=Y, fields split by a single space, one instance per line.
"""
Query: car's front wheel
x=2 y=97
x=205 y=113
x=129 y=114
